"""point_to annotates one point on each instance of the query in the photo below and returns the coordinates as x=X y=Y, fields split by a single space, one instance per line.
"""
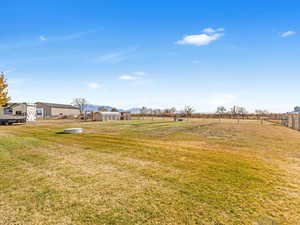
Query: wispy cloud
x=115 y=57
x=4 y=69
x=94 y=85
x=139 y=73
x=196 y=61
x=212 y=30
x=43 y=38
x=132 y=76
x=70 y=36
x=288 y=33
x=127 y=77
x=78 y=34
x=205 y=38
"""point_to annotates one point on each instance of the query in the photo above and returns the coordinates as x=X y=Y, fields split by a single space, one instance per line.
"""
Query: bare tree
x=238 y=111
x=143 y=111
x=81 y=103
x=188 y=111
x=157 y=112
x=234 y=110
x=173 y=113
x=166 y=111
x=221 y=110
x=261 y=111
x=169 y=111
x=102 y=109
x=172 y=110
x=242 y=111
x=151 y=111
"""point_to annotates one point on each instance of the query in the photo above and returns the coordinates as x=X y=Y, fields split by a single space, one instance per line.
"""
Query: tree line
x=188 y=110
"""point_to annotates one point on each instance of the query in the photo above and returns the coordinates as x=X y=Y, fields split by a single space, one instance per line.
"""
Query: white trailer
x=18 y=113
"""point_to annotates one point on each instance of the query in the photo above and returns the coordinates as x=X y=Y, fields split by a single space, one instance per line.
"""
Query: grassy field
x=150 y=172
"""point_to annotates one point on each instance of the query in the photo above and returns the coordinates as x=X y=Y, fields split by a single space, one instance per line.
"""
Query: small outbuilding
x=106 y=116
x=53 y=110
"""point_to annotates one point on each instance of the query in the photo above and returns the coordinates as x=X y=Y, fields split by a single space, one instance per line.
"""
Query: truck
x=17 y=113
x=11 y=119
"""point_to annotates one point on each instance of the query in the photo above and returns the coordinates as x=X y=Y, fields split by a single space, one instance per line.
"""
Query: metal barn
x=106 y=116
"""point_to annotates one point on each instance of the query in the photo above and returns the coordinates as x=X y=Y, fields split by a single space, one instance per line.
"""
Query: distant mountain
x=133 y=110
x=94 y=108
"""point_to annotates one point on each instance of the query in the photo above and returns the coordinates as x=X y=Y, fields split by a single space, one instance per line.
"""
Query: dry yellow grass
x=150 y=172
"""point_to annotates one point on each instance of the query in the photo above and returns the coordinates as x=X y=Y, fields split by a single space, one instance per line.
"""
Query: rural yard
x=150 y=172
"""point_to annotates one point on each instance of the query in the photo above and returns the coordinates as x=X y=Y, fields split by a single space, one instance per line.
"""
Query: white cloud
x=43 y=38
x=111 y=58
x=115 y=57
x=133 y=76
x=196 y=61
x=94 y=85
x=127 y=77
x=209 y=30
x=288 y=33
x=221 y=99
x=205 y=38
x=70 y=36
x=78 y=34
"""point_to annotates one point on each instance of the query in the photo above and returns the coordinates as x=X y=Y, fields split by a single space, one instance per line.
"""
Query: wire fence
x=233 y=118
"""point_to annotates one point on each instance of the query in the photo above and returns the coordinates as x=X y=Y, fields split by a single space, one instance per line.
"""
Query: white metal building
x=107 y=116
x=54 y=110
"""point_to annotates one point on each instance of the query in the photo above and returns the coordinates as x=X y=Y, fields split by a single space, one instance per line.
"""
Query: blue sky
x=153 y=53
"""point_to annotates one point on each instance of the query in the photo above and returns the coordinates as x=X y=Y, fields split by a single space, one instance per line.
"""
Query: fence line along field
x=150 y=172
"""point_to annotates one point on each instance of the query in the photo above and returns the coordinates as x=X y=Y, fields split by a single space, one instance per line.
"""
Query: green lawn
x=150 y=172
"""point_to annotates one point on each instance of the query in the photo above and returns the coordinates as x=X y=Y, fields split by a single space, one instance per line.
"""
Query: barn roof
x=14 y=104
x=109 y=113
x=55 y=105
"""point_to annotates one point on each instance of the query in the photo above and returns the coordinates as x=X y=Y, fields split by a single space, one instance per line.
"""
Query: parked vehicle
x=10 y=119
x=17 y=113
